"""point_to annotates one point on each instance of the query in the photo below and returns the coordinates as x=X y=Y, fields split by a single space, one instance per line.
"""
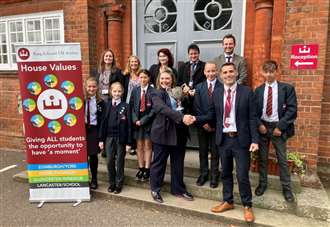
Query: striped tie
x=228 y=107
x=269 y=107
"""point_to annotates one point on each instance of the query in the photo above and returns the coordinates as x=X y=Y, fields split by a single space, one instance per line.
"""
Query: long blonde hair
x=169 y=71
x=102 y=64
x=128 y=69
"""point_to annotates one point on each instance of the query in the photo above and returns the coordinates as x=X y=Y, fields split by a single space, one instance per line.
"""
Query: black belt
x=270 y=124
x=230 y=134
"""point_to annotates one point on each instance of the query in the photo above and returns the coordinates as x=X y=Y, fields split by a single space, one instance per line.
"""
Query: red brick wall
x=306 y=22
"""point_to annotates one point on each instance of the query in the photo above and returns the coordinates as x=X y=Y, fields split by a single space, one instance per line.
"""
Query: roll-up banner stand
x=53 y=113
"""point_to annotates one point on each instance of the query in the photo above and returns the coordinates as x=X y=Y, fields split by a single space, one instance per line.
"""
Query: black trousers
x=207 y=142
x=231 y=150
x=93 y=165
x=115 y=161
x=279 y=143
x=158 y=167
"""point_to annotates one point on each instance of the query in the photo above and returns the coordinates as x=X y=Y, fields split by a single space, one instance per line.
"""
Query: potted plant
x=297 y=163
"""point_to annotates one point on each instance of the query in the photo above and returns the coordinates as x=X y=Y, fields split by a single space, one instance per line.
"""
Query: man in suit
x=229 y=43
x=276 y=112
x=233 y=109
x=206 y=132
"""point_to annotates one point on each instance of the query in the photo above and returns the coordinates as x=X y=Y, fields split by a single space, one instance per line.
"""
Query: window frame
x=24 y=18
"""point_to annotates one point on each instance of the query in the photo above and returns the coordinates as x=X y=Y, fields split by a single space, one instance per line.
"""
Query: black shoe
x=93 y=184
x=187 y=196
x=146 y=174
x=288 y=196
x=118 y=190
x=139 y=175
x=157 y=197
x=111 y=189
x=132 y=152
x=214 y=182
x=201 y=180
x=260 y=190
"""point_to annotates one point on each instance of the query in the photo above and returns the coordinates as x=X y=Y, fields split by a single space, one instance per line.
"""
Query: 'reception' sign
x=53 y=113
x=304 y=56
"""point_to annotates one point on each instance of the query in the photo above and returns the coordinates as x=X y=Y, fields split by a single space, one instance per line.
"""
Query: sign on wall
x=304 y=56
x=52 y=95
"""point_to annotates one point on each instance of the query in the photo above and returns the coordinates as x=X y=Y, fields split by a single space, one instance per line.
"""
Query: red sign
x=304 y=56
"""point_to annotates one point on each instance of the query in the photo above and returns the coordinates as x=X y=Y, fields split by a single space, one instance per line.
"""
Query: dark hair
x=193 y=46
x=269 y=66
x=227 y=64
x=101 y=62
x=229 y=36
x=168 y=53
x=144 y=71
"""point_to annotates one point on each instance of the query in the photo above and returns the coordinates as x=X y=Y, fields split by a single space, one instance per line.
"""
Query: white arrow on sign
x=298 y=63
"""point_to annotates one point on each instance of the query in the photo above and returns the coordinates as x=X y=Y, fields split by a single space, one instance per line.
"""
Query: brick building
x=265 y=29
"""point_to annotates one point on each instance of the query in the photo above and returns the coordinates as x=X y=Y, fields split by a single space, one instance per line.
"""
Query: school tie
x=114 y=104
x=143 y=101
x=192 y=71
x=88 y=113
x=209 y=90
x=269 y=107
x=228 y=58
x=227 y=107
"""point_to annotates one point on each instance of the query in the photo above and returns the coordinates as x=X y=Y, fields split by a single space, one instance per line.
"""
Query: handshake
x=188 y=119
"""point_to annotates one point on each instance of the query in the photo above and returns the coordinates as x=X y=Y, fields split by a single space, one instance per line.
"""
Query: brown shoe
x=248 y=214
x=222 y=207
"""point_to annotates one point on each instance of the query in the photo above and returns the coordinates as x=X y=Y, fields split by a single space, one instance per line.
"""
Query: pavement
x=16 y=210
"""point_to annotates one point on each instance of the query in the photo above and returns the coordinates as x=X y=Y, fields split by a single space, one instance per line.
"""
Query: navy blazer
x=286 y=107
x=184 y=74
x=245 y=110
x=135 y=101
x=163 y=130
x=202 y=101
x=124 y=123
x=154 y=72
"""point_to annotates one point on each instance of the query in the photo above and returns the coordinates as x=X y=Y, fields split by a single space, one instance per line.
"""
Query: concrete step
x=201 y=208
x=191 y=169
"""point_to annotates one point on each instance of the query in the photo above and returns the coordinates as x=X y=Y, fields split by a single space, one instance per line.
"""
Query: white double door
x=174 y=24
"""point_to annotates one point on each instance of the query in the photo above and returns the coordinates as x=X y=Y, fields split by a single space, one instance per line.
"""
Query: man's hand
x=254 y=147
x=207 y=127
x=138 y=123
x=101 y=145
x=277 y=132
x=262 y=129
x=188 y=119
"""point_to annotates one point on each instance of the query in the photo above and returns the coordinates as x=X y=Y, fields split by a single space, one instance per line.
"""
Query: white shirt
x=117 y=101
x=232 y=116
x=92 y=111
x=211 y=82
x=229 y=55
x=274 y=116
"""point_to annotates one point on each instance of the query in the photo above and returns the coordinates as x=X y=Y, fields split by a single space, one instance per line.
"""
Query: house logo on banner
x=23 y=53
x=52 y=103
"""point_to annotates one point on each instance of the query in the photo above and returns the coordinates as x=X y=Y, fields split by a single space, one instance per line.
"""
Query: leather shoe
x=248 y=214
x=222 y=207
x=117 y=190
x=93 y=185
x=139 y=175
x=111 y=189
x=186 y=195
x=288 y=196
x=260 y=190
x=201 y=180
x=157 y=197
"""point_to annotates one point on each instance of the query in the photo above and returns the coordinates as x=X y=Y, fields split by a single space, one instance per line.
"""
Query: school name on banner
x=51 y=88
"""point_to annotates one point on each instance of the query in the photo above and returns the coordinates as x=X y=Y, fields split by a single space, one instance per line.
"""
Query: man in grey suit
x=229 y=43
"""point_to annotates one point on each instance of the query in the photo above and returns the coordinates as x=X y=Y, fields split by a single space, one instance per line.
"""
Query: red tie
x=209 y=91
x=269 y=107
x=227 y=107
x=88 y=112
x=143 y=101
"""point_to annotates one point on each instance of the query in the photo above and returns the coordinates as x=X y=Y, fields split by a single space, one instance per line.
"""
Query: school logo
x=23 y=53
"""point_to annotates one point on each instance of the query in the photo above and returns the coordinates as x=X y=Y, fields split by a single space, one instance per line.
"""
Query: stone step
x=201 y=208
x=191 y=169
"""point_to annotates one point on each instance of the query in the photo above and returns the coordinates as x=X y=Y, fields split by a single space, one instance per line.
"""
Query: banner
x=53 y=113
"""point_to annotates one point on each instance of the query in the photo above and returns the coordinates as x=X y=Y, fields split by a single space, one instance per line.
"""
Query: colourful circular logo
x=34 y=88
x=67 y=87
x=50 y=80
x=70 y=119
x=37 y=120
x=75 y=103
x=54 y=127
x=29 y=105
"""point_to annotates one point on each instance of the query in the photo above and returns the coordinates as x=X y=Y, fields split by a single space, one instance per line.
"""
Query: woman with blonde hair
x=131 y=78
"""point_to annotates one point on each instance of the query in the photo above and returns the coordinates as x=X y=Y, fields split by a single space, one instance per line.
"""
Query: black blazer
x=184 y=74
x=287 y=107
x=202 y=101
x=154 y=72
x=245 y=110
x=163 y=130
x=124 y=122
x=135 y=100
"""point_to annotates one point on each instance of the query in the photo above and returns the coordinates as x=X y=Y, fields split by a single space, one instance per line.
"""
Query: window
x=35 y=28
